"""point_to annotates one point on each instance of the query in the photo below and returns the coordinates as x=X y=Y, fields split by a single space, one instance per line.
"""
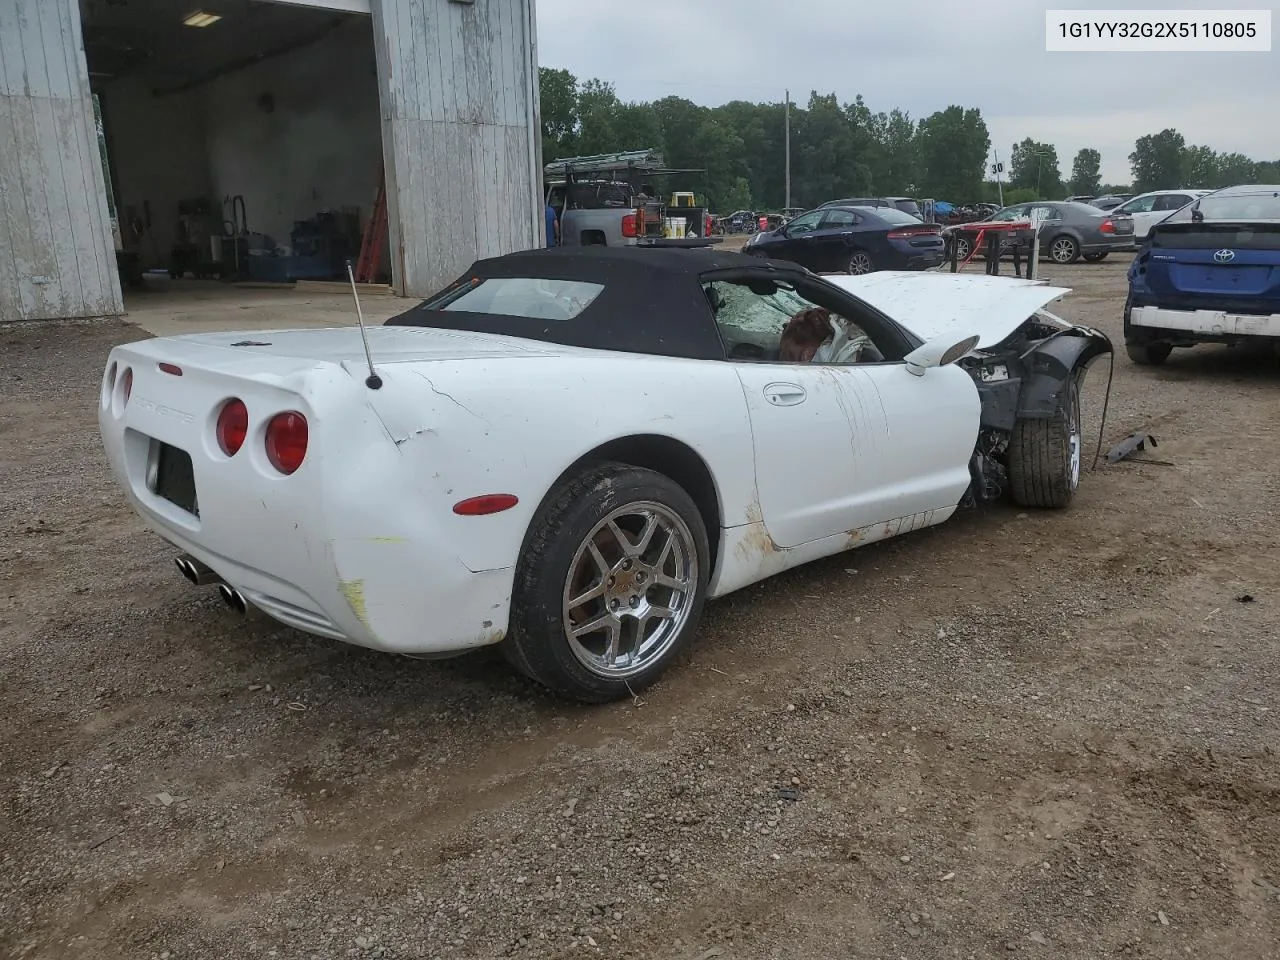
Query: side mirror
x=938 y=352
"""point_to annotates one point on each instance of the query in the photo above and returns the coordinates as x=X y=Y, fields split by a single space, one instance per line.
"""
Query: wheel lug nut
x=640 y=577
x=613 y=604
x=610 y=582
x=626 y=564
x=635 y=601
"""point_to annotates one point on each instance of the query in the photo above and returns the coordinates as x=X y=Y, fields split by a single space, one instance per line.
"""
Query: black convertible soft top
x=652 y=300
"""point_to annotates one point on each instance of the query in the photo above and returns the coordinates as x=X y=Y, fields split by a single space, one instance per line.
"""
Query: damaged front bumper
x=1028 y=379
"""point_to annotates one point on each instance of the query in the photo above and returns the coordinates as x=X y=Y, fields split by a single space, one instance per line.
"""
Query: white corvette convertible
x=567 y=452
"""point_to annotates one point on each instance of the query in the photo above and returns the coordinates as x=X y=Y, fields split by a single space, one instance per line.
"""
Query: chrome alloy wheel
x=859 y=263
x=630 y=590
x=1063 y=250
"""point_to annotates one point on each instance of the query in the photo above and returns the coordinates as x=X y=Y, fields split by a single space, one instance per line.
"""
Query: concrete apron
x=168 y=308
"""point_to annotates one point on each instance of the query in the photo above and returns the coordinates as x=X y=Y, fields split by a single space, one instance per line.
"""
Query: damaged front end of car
x=1035 y=374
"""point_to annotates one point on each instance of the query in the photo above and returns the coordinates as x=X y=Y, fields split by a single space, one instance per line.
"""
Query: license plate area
x=174 y=478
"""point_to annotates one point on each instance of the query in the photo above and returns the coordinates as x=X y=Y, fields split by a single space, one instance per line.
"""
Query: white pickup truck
x=609 y=200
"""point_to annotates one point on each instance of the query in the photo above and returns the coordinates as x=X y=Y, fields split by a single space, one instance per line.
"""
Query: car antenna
x=373 y=381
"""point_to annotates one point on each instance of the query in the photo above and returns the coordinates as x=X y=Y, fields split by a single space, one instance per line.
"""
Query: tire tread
x=1039 y=464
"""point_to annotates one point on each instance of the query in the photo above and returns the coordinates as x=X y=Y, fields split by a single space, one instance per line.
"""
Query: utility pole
x=998 y=168
x=788 y=115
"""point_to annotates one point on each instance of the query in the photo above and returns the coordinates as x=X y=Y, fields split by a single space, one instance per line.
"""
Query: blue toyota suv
x=1210 y=273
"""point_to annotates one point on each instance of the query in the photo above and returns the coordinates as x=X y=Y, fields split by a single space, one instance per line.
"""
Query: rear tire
x=573 y=553
x=1096 y=257
x=1045 y=456
x=859 y=263
x=1148 y=353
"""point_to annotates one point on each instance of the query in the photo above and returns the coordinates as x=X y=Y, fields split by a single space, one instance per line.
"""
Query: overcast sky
x=921 y=56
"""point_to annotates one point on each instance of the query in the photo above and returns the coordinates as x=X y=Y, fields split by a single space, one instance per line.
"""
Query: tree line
x=849 y=150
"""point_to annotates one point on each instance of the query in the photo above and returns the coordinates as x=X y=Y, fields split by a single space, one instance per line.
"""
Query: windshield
x=1010 y=213
x=753 y=312
x=1261 y=203
x=540 y=299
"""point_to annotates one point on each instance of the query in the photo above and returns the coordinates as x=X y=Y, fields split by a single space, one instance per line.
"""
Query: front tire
x=1045 y=456
x=610 y=585
x=1064 y=250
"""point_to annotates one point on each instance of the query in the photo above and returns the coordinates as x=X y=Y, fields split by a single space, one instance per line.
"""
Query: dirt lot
x=1021 y=733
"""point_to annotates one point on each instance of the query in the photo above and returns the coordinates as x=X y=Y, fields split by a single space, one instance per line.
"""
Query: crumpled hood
x=936 y=304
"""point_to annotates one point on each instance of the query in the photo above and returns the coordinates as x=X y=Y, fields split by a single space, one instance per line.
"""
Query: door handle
x=784 y=394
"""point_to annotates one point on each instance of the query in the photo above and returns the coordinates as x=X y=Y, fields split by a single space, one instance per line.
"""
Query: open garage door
x=244 y=138
x=55 y=235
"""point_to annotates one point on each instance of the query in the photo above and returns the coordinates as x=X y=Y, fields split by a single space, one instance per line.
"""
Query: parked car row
x=863 y=234
x=850 y=237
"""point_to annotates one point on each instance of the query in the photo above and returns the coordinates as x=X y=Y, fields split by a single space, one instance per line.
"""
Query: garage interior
x=243 y=144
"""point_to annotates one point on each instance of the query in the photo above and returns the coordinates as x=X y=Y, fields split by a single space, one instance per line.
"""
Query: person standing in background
x=553 y=227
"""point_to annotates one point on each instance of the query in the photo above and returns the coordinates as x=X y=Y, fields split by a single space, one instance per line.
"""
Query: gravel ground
x=1050 y=734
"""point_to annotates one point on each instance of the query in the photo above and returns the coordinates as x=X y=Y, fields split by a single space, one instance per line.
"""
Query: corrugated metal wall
x=57 y=257
x=459 y=92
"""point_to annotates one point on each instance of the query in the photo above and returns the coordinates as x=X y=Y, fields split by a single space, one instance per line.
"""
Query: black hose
x=1106 y=402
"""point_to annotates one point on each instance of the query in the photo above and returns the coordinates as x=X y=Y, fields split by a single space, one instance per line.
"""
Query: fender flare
x=1055 y=361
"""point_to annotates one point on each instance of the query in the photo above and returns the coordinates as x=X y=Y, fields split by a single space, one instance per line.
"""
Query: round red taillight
x=126 y=386
x=287 y=441
x=233 y=426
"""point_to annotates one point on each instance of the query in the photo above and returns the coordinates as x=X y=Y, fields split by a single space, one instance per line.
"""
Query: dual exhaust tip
x=196 y=572
x=232 y=598
x=201 y=575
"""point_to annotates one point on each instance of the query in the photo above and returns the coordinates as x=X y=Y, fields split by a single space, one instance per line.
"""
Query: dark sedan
x=853 y=240
x=1110 y=201
x=1068 y=231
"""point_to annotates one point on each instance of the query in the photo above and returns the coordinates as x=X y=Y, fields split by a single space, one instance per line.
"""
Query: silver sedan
x=1068 y=231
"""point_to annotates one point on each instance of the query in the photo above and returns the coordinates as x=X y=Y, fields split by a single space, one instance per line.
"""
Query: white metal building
x=211 y=135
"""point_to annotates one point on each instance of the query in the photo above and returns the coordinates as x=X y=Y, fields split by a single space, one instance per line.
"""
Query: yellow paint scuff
x=353 y=591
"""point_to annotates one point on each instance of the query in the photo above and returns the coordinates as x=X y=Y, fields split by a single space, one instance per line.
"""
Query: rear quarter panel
x=467 y=428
